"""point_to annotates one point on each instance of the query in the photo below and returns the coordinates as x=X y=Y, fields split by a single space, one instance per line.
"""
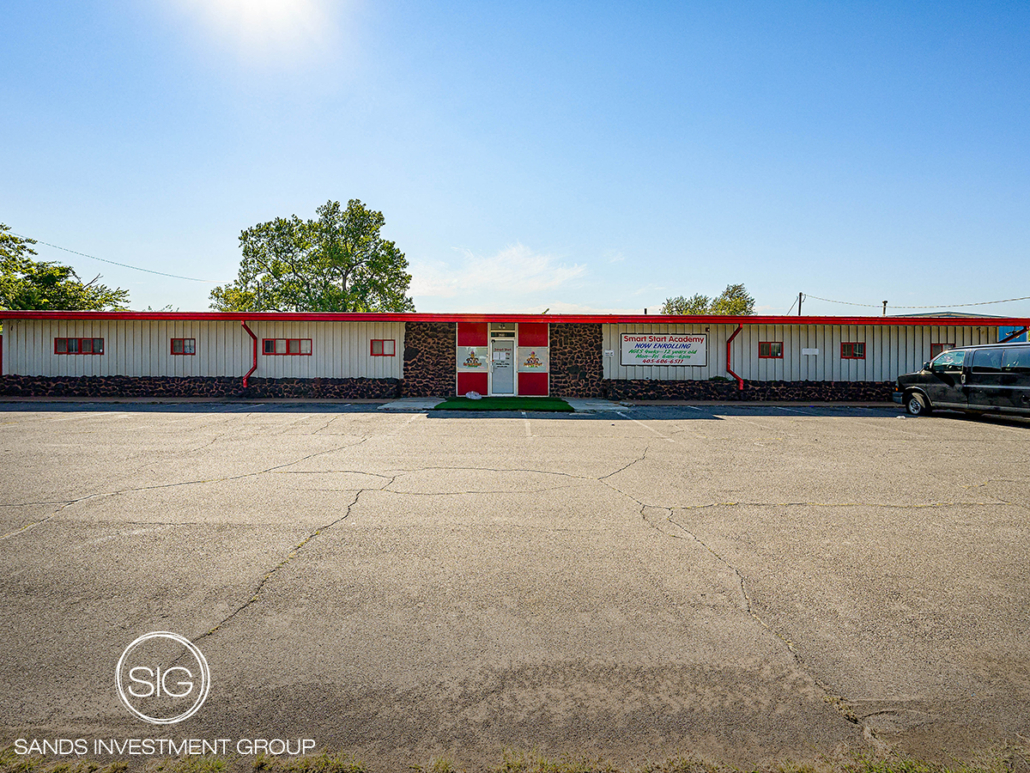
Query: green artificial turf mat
x=505 y=404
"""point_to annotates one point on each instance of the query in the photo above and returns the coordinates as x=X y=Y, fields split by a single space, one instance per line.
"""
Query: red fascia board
x=623 y=319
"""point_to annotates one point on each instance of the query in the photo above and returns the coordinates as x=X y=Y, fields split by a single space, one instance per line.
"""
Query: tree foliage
x=695 y=304
x=734 y=301
x=338 y=262
x=29 y=284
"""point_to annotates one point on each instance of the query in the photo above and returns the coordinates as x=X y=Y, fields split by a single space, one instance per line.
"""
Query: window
x=1016 y=360
x=770 y=350
x=384 y=348
x=936 y=349
x=287 y=346
x=184 y=346
x=852 y=351
x=987 y=361
x=78 y=346
x=948 y=362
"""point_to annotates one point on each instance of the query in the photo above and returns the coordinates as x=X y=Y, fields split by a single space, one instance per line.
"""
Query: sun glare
x=260 y=29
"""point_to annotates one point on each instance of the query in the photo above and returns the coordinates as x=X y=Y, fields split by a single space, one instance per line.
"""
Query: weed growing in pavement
x=206 y=764
x=316 y=763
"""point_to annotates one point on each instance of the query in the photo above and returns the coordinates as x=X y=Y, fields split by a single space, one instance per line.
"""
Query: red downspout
x=729 y=342
x=251 y=334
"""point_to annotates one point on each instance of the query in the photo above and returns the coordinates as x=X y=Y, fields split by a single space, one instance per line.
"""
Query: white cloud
x=514 y=271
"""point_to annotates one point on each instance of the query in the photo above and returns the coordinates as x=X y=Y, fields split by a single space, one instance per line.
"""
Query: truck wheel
x=916 y=405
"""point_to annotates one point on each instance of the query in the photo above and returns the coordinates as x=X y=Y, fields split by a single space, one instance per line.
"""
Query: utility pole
x=799 y=304
x=885 y=308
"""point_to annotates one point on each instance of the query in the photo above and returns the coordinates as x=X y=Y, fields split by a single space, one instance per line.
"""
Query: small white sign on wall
x=810 y=351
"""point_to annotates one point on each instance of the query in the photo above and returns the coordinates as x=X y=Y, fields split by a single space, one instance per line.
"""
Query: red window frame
x=79 y=345
x=288 y=346
x=183 y=341
x=769 y=355
x=854 y=350
x=383 y=347
x=936 y=349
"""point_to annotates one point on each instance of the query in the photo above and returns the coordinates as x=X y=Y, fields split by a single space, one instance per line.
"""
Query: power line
x=939 y=306
x=113 y=262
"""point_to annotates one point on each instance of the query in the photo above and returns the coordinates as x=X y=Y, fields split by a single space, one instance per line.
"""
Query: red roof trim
x=625 y=319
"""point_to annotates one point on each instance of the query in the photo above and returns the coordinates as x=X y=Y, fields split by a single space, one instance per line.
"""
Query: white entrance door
x=502 y=367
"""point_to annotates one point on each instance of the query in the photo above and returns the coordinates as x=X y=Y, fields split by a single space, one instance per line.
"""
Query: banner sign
x=670 y=349
x=532 y=359
x=473 y=359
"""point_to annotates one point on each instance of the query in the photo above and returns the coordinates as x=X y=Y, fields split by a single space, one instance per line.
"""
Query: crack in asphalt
x=498 y=470
x=884 y=505
x=465 y=493
x=57 y=512
x=68 y=503
x=211 y=442
x=33 y=504
x=326 y=425
x=280 y=469
x=1001 y=501
x=839 y=703
x=275 y=570
x=604 y=478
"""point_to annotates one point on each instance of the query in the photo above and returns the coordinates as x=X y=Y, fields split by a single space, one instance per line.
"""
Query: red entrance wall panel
x=473 y=382
x=532 y=334
x=533 y=384
x=472 y=334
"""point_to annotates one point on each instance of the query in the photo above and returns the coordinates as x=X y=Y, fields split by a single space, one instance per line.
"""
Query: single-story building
x=341 y=356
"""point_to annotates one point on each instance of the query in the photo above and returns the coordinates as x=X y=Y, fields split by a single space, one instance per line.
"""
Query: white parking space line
x=649 y=429
x=529 y=430
x=92 y=415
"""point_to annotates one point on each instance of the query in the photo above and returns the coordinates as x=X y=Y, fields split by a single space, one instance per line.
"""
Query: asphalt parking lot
x=740 y=583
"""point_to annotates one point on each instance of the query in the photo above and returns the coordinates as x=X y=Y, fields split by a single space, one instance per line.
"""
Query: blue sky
x=574 y=156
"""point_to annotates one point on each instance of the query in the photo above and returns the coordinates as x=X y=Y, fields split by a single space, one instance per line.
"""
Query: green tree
x=338 y=262
x=734 y=301
x=29 y=284
x=695 y=304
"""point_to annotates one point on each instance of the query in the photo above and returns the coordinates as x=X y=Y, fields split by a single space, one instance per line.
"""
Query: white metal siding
x=143 y=348
x=891 y=350
x=338 y=350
